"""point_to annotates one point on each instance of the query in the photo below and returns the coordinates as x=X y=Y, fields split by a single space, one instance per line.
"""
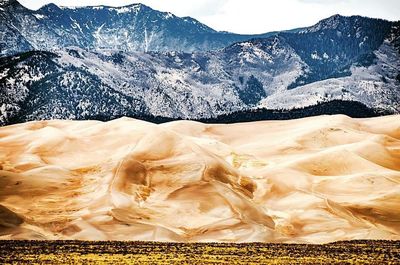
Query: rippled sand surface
x=312 y=180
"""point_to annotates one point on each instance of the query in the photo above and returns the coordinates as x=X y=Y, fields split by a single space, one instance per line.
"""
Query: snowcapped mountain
x=76 y=83
x=353 y=58
x=340 y=58
x=135 y=27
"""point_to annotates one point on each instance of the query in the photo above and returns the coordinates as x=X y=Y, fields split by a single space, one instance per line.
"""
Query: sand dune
x=313 y=180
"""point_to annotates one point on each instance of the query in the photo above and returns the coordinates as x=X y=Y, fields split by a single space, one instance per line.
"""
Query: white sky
x=252 y=16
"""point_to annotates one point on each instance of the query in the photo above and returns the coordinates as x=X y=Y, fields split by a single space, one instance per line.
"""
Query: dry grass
x=113 y=252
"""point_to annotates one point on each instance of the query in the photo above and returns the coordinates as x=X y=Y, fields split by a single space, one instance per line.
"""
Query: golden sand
x=311 y=180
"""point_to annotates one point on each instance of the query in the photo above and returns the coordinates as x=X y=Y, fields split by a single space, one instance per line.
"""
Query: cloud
x=323 y=2
x=206 y=7
x=253 y=16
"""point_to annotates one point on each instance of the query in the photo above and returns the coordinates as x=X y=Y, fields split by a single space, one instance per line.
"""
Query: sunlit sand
x=312 y=180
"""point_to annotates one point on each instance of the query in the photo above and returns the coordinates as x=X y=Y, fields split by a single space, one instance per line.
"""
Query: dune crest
x=312 y=180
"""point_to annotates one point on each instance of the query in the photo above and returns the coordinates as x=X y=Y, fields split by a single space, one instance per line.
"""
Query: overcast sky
x=252 y=16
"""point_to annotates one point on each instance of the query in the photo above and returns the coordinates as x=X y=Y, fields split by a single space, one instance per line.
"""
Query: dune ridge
x=312 y=180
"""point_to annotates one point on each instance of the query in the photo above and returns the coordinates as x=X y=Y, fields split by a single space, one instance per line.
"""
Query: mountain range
x=80 y=63
x=135 y=27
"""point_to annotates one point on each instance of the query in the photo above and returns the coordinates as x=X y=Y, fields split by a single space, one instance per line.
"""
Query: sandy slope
x=313 y=180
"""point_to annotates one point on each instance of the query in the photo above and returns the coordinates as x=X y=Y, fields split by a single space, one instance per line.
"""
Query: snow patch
x=315 y=56
x=168 y=15
x=127 y=9
x=38 y=16
x=76 y=25
x=4 y=73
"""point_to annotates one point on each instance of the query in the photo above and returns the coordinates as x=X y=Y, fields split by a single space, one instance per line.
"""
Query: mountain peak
x=130 y=6
x=335 y=16
x=5 y=3
x=50 y=7
x=331 y=22
x=134 y=5
x=338 y=21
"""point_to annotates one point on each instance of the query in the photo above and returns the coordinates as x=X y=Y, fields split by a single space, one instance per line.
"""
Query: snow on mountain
x=375 y=83
x=172 y=84
x=135 y=27
x=92 y=68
